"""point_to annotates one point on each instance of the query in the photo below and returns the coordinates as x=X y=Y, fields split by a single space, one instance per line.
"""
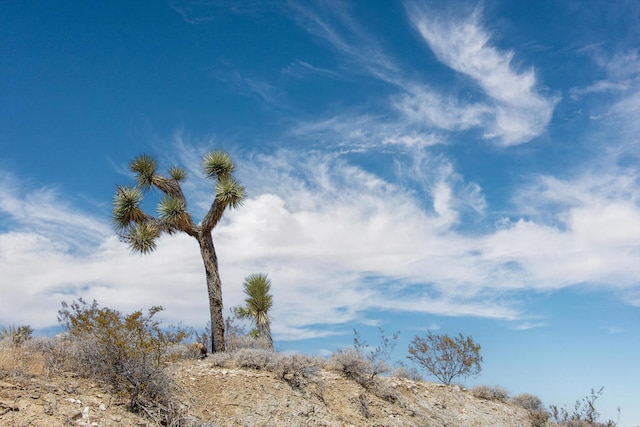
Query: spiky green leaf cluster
x=217 y=164
x=172 y=210
x=230 y=193
x=126 y=207
x=258 y=301
x=177 y=173
x=144 y=167
x=142 y=237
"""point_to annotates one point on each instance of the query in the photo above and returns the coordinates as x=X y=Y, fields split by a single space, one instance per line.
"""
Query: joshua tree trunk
x=214 y=288
x=265 y=331
x=140 y=230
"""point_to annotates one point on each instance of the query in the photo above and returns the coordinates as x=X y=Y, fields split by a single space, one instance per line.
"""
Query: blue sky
x=409 y=165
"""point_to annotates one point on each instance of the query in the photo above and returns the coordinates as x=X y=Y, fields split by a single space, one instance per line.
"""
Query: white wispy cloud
x=520 y=111
x=514 y=110
x=333 y=22
x=425 y=107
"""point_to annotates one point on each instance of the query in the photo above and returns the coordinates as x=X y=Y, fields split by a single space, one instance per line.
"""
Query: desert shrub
x=240 y=342
x=409 y=373
x=537 y=414
x=490 y=393
x=379 y=355
x=186 y=351
x=539 y=418
x=16 y=335
x=236 y=337
x=527 y=401
x=444 y=357
x=296 y=369
x=352 y=365
x=362 y=363
x=126 y=352
x=252 y=358
x=222 y=360
x=584 y=413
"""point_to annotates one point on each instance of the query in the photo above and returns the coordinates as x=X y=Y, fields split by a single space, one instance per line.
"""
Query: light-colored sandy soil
x=30 y=395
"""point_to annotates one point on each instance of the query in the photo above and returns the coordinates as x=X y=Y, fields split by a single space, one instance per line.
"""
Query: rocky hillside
x=209 y=395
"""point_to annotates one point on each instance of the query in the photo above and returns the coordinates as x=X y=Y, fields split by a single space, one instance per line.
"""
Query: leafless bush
x=490 y=393
x=361 y=363
x=378 y=356
x=584 y=413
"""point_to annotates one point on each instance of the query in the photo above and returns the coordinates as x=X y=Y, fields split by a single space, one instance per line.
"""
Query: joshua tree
x=258 y=303
x=140 y=230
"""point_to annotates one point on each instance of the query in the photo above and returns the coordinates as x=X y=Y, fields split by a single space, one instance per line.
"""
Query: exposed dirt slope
x=32 y=396
x=257 y=398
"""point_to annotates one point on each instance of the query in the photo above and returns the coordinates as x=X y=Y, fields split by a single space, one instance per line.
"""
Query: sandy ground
x=31 y=395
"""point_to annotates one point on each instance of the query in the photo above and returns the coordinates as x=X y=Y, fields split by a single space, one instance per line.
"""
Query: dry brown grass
x=22 y=361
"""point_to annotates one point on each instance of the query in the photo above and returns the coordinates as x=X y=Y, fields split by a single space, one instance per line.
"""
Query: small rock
x=52 y=405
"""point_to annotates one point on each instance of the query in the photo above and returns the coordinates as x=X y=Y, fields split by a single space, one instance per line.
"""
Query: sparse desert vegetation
x=109 y=369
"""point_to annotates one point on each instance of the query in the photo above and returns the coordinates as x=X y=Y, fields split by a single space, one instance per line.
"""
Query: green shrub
x=126 y=352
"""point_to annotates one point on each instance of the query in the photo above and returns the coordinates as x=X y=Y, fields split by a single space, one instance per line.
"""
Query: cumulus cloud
x=584 y=230
x=337 y=242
